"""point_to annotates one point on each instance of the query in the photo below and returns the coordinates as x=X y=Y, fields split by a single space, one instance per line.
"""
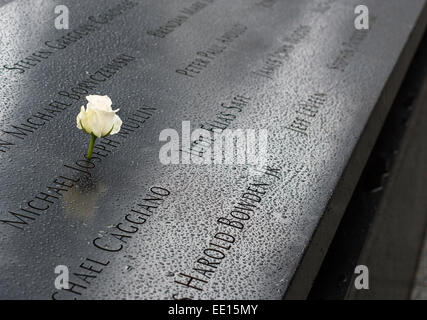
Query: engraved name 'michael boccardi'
x=65 y=100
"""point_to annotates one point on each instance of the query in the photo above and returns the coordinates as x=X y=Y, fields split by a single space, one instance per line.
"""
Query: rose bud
x=98 y=119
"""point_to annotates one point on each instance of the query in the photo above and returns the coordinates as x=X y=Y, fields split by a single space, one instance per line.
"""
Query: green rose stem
x=91 y=145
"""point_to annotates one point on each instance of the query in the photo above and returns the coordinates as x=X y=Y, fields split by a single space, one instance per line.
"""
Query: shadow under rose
x=80 y=202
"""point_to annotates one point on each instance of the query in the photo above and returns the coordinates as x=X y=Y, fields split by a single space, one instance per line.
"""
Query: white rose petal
x=117 y=124
x=99 y=118
x=99 y=102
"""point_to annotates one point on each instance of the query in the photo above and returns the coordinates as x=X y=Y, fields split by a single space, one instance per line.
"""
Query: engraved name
x=275 y=59
x=349 y=49
x=40 y=204
x=205 y=57
x=307 y=111
x=82 y=31
x=227 y=113
x=231 y=228
x=65 y=99
x=112 y=242
x=184 y=14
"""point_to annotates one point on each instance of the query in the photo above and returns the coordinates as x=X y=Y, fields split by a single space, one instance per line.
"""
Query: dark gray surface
x=263 y=260
x=396 y=235
x=3 y=2
x=419 y=290
x=388 y=159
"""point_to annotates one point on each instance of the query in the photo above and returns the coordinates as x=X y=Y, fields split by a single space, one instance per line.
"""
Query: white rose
x=99 y=118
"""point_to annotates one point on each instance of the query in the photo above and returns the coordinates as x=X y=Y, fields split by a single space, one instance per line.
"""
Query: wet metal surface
x=95 y=218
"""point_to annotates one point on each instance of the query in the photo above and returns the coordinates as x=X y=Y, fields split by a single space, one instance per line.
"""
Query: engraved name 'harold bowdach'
x=182 y=149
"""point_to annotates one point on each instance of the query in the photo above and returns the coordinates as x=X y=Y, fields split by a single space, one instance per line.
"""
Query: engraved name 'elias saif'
x=229 y=147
